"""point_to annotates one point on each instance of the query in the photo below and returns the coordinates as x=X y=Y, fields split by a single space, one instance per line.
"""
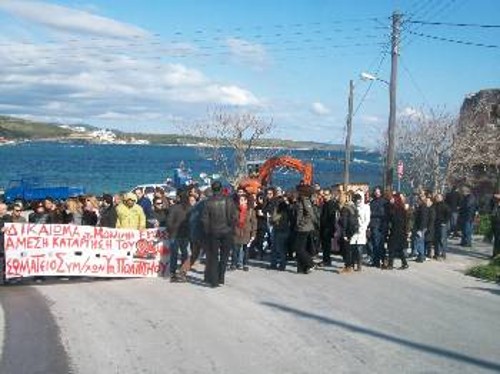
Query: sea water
x=116 y=167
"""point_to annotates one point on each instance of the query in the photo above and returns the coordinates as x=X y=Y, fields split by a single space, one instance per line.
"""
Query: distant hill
x=13 y=128
x=17 y=128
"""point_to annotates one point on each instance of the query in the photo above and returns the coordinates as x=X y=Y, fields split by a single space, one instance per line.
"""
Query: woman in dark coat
x=430 y=232
x=398 y=232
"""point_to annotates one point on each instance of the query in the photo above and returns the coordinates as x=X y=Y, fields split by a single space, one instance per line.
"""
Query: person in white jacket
x=358 y=240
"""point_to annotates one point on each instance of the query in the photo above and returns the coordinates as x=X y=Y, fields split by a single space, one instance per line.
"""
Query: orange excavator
x=253 y=183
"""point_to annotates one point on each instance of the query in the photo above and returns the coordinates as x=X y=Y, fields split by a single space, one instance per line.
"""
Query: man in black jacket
x=421 y=225
x=442 y=219
x=328 y=216
x=379 y=208
x=108 y=216
x=218 y=218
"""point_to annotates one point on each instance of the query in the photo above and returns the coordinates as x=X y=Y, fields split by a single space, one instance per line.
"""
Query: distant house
x=476 y=149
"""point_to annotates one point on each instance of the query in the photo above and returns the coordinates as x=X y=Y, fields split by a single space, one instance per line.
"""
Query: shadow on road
x=462 y=251
x=494 y=291
x=390 y=338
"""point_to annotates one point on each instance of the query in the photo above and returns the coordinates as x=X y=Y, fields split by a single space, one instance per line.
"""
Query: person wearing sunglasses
x=16 y=214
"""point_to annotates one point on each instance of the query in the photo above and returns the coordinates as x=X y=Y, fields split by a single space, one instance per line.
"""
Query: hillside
x=17 y=128
x=12 y=128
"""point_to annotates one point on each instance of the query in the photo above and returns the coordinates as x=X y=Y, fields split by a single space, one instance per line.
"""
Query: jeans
x=466 y=233
x=279 y=249
x=356 y=253
x=453 y=223
x=377 y=240
x=441 y=241
x=239 y=255
x=419 y=244
x=175 y=245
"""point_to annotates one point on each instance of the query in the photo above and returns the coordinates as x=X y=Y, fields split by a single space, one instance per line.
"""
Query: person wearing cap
x=495 y=225
x=218 y=218
x=108 y=215
x=129 y=214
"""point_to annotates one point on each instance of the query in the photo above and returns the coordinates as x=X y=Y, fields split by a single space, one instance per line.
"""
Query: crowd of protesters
x=306 y=226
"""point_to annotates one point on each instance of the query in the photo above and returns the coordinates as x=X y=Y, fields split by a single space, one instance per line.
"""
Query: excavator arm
x=267 y=168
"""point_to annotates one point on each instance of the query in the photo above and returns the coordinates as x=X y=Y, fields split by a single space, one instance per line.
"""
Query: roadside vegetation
x=490 y=271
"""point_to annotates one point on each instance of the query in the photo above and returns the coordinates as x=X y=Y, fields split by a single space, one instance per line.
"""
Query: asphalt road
x=428 y=319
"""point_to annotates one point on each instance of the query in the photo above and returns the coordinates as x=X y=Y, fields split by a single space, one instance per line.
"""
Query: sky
x=157 y=66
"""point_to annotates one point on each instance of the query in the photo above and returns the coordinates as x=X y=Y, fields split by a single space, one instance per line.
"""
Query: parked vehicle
x=31 y=189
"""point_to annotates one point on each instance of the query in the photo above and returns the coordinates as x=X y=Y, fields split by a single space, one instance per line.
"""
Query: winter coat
x=453 y=200
x=379 y=214
x=3 y=220
x=178 y=222
x=146 y=206
x=363 y=215
x=219 y=215
x=398 y=228
x=431 y=230
x=281 y=217
x=306 y=217
x=89 y=218
x=242 y=235
x=442 y=213
x=160 y=215
x=196 y=232
x=347 y=216
x=327 y=218
x=421 y=218
x=261 y=214
x=130 y=218
x=38 y=217
x=108 y=217
x=468 y=208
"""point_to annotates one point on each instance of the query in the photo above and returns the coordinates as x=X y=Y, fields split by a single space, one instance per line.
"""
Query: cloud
x=66 y=19
x=248 y=52
x=100 y=76
x=412 y=113
x=320 y=109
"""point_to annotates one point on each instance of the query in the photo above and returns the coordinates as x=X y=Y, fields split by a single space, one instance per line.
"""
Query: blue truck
x=32 y=189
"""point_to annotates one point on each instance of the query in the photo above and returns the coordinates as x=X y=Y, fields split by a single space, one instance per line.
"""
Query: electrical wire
x=377 y=71
x=413 y=81
x=453 y=24
x=456 y=41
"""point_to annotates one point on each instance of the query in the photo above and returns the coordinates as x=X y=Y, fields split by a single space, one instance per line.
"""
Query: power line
x=377 y=71
x=456 y=41
x=407 y=26
x=453 y=24
x=412 y=79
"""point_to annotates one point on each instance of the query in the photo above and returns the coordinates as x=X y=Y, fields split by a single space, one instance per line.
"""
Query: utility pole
x=347 y=159
x=391 y=132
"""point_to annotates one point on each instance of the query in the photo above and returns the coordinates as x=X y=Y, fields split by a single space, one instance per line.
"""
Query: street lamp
x=370 y=77
x=389 y=159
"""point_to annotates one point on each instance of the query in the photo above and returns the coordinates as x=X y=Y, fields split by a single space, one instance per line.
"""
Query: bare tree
x=476 y=146
x=424 y=140
x=230 y=137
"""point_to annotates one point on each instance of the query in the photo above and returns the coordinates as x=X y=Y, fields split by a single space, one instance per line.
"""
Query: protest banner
x=70 y=250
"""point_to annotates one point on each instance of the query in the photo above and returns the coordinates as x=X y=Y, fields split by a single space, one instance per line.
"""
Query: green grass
x=490 y=272
x=16 y=128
